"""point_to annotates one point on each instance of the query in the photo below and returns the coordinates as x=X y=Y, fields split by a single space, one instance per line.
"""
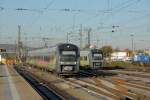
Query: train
x=91 y=58
x=0 y=59
x=8 y=58
x=63 y=58
x=141 y=58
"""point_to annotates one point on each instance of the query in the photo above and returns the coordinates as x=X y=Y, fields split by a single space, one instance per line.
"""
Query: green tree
x=117 y=49
x=140 y=51
x=107 y=50
x=129 y=52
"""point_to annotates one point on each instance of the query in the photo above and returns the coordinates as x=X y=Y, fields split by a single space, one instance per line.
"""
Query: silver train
x=63 y=58
x=91 y=58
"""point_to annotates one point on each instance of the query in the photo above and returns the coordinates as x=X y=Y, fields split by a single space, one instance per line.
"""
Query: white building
x=120 y=56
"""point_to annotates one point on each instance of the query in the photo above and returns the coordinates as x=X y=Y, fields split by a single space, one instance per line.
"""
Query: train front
x=68 y=59
x=96 y=58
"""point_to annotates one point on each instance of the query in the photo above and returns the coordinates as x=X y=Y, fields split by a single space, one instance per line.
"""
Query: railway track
x=132 y=73
x=121 y=87
x=45 y=89
x=124 y=88
x=87 y=74
x=72 y=85
x=132 y=87
x=91 y=90
x=127 y=68
x=93 y=84
x=124 y=92
x=114 y=93
x=124 y=95
x=132 y=84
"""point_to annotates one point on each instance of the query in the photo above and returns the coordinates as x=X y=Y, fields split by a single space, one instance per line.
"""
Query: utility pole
x=19 y=38
x=132 y=42
x=97 y=43
x=89 y=36
x=102 y=42
x=74 y=19
x=80 y=36
x=68 y=38
x=19 y=44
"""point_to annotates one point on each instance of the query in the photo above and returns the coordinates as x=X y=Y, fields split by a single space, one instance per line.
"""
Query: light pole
x=67 y=37
x=80 y=33
x=132 y=42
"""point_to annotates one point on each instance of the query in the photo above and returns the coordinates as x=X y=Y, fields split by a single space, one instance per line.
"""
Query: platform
x=14 y=87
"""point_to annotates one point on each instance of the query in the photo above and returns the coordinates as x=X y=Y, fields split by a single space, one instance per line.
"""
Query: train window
x=85 y=57
x=34 y=57
x=81 y=58
x=68 y=53
x=97 y=56
x=46 y=58
x=52 y=57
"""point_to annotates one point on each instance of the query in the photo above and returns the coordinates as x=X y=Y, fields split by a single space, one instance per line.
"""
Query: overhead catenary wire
x=122 y=6
x=110 y=12
x=115 y=9
x=67 y=10
x=42 y=12
x=127 y=3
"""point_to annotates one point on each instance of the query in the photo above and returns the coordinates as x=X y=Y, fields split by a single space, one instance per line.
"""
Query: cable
x=125 y=4
x=1 y=8
x=42 y=12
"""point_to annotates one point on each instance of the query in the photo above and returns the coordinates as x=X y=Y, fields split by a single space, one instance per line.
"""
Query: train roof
x=8 y=47
x=66 y=46
x=89 y=49
x=50 y=49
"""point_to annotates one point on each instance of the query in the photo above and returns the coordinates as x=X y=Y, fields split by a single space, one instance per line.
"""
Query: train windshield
x=97 y=56
x=68 y=56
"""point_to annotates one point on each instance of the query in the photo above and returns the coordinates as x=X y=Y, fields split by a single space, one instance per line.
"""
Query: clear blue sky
x=51 y=18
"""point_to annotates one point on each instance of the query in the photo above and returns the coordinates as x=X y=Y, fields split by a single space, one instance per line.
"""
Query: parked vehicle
x=141 y=58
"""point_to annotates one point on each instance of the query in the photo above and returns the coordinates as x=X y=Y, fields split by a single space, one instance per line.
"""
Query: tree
x=129 y=52
x=140 y=51
x=107 y=50
x=116 y=49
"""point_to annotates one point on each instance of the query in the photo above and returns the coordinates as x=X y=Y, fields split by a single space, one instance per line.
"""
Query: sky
x=53 y=19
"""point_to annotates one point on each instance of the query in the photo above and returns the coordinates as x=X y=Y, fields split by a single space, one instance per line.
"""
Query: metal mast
x=19 y=44
x=80 y=36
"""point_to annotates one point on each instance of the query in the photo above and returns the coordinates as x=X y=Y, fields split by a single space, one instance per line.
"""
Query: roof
x=8 y=47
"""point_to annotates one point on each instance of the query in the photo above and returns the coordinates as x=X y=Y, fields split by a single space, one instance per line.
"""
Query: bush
x=119 y=64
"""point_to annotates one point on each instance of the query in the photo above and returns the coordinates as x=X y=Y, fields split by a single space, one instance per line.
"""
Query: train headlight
x=68 y=63
x=62 y=62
